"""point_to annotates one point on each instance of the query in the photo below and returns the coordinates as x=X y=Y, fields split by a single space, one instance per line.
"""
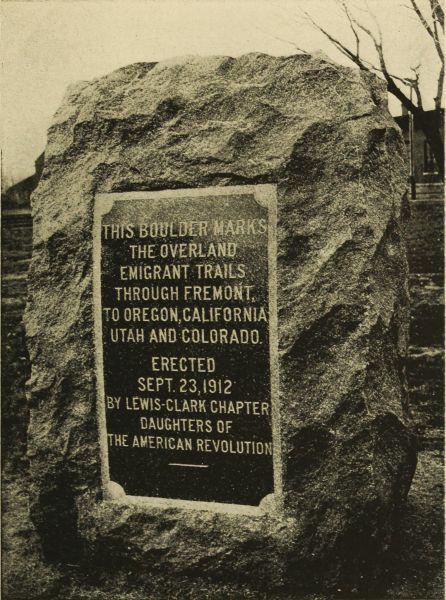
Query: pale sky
x=48 y=45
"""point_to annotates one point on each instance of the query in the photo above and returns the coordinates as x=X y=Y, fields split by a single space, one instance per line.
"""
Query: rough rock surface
x=322 y=133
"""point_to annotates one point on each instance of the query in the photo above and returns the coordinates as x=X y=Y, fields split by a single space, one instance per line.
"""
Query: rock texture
x=322 y=133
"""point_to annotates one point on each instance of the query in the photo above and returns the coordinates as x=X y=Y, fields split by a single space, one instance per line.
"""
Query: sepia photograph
x=222 y=330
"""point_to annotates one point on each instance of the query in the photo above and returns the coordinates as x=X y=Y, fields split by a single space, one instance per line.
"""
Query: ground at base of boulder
x=415 y=570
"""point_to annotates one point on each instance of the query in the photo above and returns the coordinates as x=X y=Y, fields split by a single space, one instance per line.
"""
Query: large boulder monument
x=217 y=324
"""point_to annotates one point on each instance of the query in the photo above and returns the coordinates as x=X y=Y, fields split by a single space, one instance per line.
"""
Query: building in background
x=19 y=194
x=426 y=178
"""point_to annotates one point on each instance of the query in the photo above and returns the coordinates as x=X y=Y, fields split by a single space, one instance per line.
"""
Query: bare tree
x=405 y=89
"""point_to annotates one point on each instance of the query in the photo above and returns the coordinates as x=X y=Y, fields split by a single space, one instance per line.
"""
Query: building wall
x=421 y=174
x=19 y=194
x=424 y=172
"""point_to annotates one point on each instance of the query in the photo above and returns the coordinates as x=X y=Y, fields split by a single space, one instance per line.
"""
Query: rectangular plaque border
x=266 y=196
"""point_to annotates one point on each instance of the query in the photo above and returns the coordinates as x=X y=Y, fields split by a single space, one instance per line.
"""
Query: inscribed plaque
x=186 y=338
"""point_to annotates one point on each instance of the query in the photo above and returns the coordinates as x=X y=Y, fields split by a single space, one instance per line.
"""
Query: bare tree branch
x=343 y=49
x=355 y=33
x=416 y=86
x=281 y=39
x=432 y=32
x=403 y=80
x=364 y=64
x=432 y=128
x=437 y=13
x=377 y=41
x=373 y=16
x=440 y=83
x=422 y=18
x=436 y=29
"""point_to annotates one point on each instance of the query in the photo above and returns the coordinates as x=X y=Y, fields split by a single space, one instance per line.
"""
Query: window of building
x=430 y=166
